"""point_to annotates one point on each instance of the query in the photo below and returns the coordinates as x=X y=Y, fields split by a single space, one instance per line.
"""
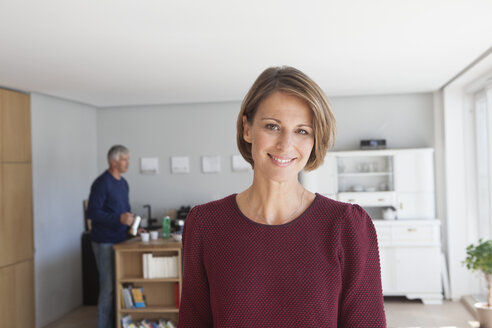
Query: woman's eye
x=272 y=127
x=302 y=131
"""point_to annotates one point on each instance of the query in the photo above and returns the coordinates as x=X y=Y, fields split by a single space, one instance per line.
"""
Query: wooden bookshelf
x=159 y=292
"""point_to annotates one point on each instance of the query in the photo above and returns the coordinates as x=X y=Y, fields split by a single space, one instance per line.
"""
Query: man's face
x=122 y=163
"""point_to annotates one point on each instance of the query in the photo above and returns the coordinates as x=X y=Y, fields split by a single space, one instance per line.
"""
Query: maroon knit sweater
x=320 y=270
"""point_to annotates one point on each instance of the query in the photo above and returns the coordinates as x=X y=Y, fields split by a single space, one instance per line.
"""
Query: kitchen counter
x=136 y=243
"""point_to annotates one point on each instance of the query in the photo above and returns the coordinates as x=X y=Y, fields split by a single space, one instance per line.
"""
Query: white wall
x=405 y=121
x=64 y=158
x=439 y=167
x=174 y=130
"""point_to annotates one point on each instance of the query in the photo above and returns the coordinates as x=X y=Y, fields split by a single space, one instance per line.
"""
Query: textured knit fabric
x=319 y=270
x=107 y=201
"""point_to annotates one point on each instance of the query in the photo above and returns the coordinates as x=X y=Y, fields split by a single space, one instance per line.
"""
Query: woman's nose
x=284 y=140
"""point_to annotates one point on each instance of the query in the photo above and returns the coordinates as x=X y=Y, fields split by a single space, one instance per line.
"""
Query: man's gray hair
x=115 y=152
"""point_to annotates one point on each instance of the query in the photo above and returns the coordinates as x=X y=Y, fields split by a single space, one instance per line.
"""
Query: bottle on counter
x=166 y=227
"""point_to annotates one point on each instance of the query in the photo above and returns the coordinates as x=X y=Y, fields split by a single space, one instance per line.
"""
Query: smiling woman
x=277 y=255
x=301 y=89
x=281 y=136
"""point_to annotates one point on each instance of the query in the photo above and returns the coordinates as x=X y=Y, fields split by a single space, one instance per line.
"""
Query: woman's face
x=281 y=136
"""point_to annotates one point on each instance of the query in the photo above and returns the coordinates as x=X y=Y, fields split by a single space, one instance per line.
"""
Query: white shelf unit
x=398 y=178
x=403 y=179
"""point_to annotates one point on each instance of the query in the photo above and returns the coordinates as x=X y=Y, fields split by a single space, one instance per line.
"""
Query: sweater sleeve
x=95 y=208
x=361 y=300
x=195 y=310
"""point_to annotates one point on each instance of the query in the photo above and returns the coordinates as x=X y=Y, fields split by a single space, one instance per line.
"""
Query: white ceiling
x=127 y=52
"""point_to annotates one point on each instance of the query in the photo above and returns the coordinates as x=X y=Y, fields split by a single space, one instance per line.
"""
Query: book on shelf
x=169 y=324
x=145 y=258
x=145 y=323
x=133 y=297
x=127 y=297
x=176 y=295
x=122 y=299
x=128 y=322
x=138 y=298
x=159 y=266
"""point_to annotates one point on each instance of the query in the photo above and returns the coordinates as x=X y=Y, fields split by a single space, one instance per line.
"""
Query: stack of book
x=128 y=322
x=159 y=266
x=132 y=297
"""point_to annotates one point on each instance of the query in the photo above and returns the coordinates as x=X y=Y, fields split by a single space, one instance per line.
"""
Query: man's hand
x=127 y=218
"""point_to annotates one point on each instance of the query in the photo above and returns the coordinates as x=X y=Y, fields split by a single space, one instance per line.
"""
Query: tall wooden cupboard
x=16 y=212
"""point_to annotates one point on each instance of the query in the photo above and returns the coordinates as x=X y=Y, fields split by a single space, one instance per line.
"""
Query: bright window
x=482 y=160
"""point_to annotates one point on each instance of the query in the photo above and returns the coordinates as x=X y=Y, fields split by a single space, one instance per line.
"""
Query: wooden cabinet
x=16 y=288
x=16 y=211
x=15 y=126
x=159 y=292
x=16 y=224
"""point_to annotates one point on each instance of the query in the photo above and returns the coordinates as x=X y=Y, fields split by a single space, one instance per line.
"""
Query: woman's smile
x=282 y=160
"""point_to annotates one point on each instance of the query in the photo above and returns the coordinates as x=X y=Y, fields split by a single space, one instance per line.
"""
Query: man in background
x=109 y=210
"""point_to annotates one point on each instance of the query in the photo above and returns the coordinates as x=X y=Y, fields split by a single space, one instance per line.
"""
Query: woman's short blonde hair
x=292 y=81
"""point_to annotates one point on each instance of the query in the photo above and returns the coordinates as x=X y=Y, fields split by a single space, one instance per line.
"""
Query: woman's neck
x=273 y=202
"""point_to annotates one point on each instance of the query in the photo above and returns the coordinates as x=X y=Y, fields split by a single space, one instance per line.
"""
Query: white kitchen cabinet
x=398 y=178
x=403 y=179
x=364 y=172
x=415 y=205
x=414 y=170
x=410 y=259
x=374 y=199
x=387 y=258
x=414 y=184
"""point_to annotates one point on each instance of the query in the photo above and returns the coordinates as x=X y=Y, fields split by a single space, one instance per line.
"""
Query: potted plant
x=479 y=258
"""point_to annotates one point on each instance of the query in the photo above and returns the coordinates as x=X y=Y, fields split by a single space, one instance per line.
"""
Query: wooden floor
x=400 y=313
x=82 y=317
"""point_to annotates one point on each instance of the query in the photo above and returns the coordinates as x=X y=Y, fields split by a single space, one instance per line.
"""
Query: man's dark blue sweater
x=107 y=201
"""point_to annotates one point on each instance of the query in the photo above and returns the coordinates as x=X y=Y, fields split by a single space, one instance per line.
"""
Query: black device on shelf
x=373 y=144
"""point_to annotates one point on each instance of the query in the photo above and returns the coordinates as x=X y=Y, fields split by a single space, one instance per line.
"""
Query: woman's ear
x=246 y=130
